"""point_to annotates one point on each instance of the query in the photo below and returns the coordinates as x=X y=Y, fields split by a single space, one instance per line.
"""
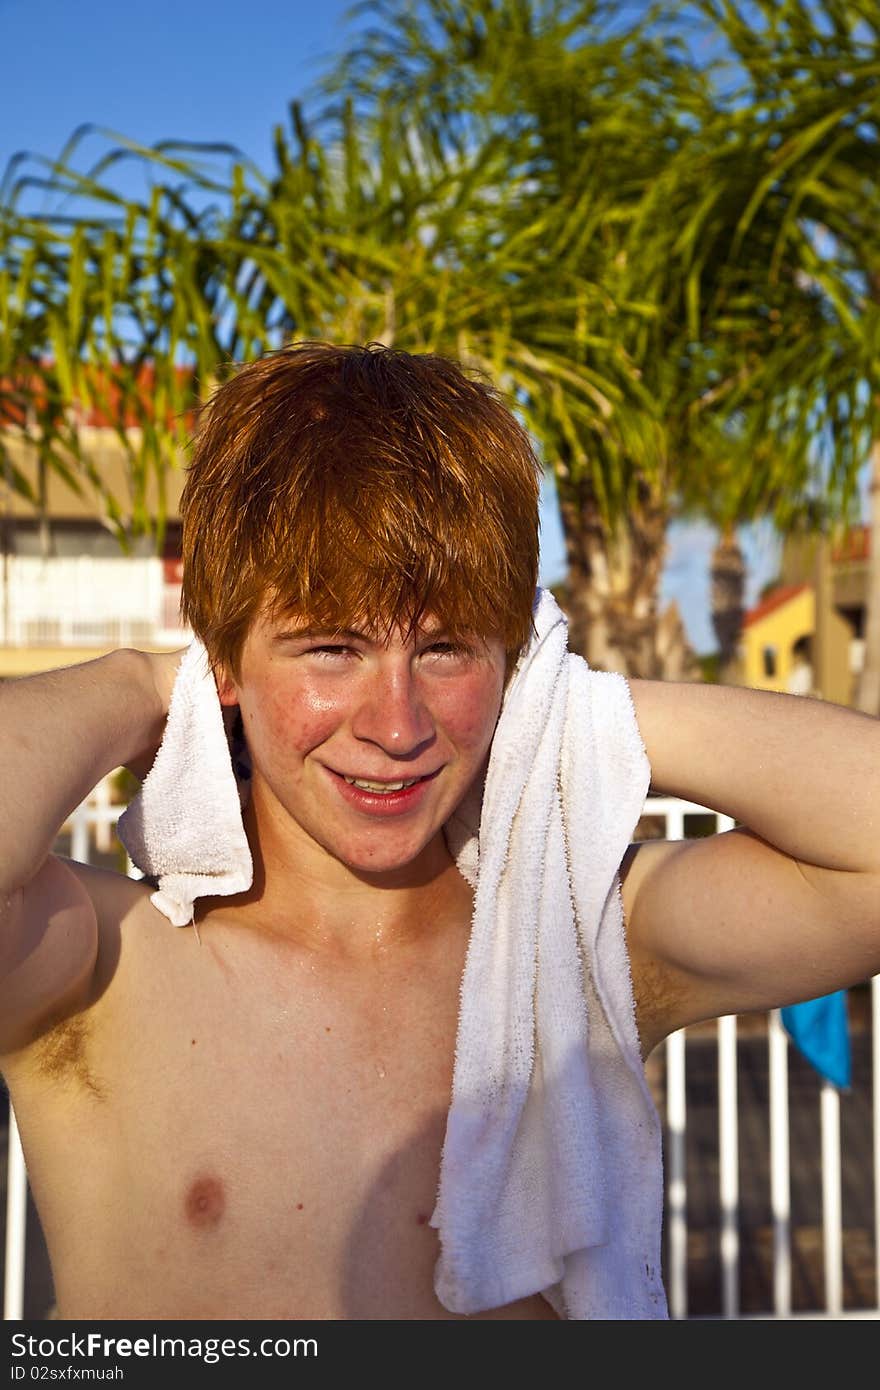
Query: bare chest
x=259 y=1139
x=312 y=1110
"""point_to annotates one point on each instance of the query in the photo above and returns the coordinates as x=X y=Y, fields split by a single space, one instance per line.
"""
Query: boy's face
x=318 y=708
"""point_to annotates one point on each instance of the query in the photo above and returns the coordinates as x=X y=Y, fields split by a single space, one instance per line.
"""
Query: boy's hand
x=162 y=671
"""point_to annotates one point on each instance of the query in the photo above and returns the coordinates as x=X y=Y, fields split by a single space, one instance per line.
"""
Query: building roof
x=107 y=406
x=855 y=545
x=98 y=423
x=777 y=598
x=82 y=503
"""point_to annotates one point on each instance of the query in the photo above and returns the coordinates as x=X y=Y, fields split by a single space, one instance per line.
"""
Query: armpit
x=660 y=995
x=61 y=1055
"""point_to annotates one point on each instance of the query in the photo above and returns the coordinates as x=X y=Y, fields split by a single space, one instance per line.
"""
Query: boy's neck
x=304 y=895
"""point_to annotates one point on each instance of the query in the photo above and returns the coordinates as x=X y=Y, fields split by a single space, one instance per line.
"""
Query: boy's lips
x=383 y=804
x=388 y=780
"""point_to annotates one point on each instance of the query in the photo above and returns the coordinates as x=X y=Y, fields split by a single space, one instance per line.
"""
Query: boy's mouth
x=380 y=785
x=378 y=789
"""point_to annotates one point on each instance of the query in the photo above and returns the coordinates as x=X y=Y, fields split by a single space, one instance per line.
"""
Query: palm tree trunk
x=613 y=581
x=728 y=574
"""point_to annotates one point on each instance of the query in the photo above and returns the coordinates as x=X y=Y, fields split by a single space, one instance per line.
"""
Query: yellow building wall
x=780 y=630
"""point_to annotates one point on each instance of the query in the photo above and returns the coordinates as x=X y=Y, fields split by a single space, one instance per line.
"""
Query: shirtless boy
x=249 y=1124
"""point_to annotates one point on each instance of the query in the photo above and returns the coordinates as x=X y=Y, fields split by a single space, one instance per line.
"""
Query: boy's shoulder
x=71 y=916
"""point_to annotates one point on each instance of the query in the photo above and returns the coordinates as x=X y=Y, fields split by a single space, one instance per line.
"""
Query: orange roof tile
x=856 y=545
x=101 y=413
x=775 y=599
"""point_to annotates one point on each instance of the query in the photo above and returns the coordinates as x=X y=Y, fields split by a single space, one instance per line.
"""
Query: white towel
x=551 y=1176
x=184 y=827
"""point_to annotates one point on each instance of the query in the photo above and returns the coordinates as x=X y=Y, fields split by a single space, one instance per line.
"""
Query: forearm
x=63 y=731
x=803 y=774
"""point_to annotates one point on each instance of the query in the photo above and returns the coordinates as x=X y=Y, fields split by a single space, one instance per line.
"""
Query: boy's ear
x=226 y=687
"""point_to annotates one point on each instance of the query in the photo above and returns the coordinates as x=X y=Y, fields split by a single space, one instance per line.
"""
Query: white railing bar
x=676 y=1109
x=832 y=1224
x=670 y=808
x=80 y=846
x=676 y=1192
x=675 y=823
x=16 y=1225
x=780 y=1171
x=95 y=815
x=728 y=1147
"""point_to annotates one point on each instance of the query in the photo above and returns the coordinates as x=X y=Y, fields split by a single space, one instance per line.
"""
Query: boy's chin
x=414 y=858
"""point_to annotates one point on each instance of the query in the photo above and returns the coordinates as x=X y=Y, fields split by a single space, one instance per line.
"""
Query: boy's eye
x=443 y=648
x=448 y=648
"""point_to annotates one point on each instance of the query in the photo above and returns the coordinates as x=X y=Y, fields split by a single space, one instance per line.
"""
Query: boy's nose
x=393 y=715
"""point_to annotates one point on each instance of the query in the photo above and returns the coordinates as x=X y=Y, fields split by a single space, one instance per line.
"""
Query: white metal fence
x=91 y=825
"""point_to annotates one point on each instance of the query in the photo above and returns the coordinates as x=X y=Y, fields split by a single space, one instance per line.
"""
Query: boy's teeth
x=380 y=786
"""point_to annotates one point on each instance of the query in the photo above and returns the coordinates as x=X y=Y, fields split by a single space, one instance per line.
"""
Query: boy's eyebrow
x=289 y=632
x=311 y=632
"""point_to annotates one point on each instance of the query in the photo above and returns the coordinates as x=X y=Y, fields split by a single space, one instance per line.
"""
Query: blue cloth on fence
x=820 y=1030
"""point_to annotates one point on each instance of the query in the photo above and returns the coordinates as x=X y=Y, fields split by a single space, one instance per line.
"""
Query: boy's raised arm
x=60 y=733
x=786 y=906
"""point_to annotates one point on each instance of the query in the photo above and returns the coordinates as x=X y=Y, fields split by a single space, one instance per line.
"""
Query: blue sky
x=226 y=71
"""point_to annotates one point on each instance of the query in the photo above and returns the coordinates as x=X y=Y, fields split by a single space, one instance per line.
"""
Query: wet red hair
x=359 y=487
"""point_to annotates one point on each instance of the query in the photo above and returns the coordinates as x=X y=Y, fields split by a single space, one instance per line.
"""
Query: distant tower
x=728 y=576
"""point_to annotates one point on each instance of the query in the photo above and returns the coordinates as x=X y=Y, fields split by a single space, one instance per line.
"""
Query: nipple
x=205 y=1202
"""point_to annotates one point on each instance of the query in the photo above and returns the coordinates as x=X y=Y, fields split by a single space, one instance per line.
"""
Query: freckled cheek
x=470 y=714
x=291 y=723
